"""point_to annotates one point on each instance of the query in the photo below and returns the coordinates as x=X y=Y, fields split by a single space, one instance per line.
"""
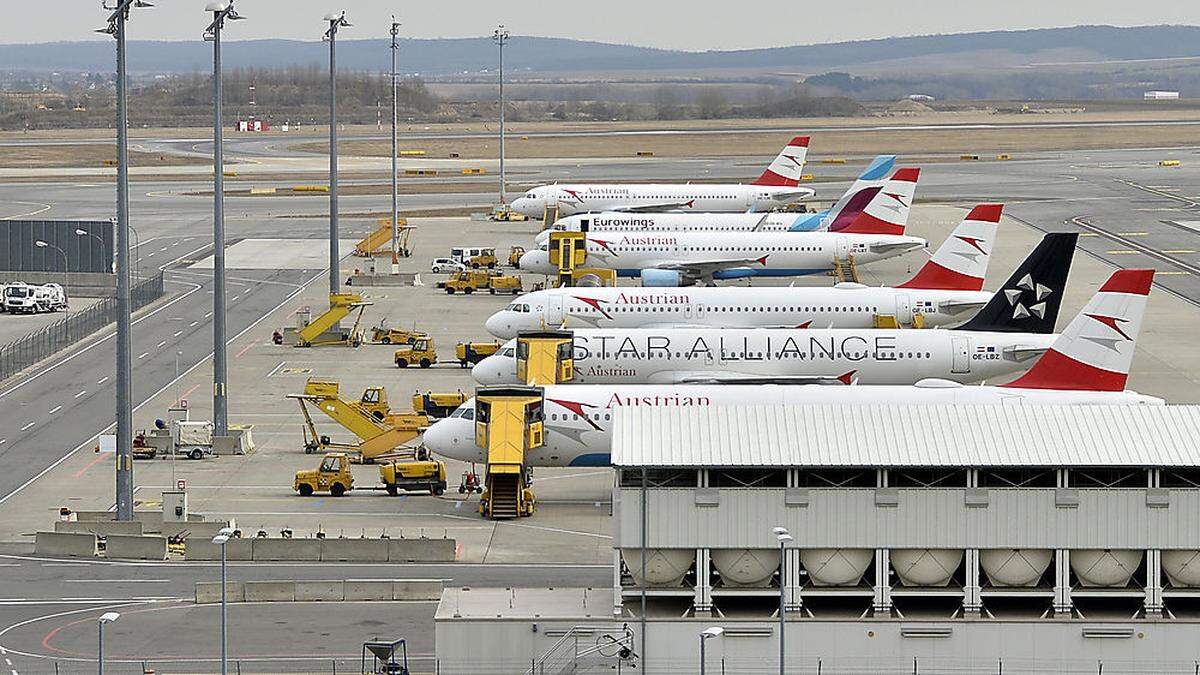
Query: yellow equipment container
x=546 y=357
x=340 y=305
x=514 y=256
x=504 y=283
x=392 y=336
x=413 y=476
x=509 y=422
x=380 y=431
x=485 y=258
x=437 y=405
x=466 y=281
x=470 y=353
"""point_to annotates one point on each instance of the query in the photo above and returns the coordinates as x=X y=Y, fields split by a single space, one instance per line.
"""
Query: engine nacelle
x=661 y=278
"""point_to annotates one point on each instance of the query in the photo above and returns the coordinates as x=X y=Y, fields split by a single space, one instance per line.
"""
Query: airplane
x=1012 y=329
x=841 y=213
x=945 y=291
x=677 y=258
x=777 y=186
x=1088 y=364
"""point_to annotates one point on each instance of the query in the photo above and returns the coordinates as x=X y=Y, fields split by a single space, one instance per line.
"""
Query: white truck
x=22 y=298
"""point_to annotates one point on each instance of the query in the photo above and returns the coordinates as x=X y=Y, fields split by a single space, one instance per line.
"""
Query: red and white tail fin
x=887 y=212
x=1095 y=352
x=961 y=262
x=786 y=169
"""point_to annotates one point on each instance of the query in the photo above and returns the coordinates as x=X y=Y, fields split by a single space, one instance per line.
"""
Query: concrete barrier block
x=421 y=550
x=368 y=589
x=152 y=521
x=194 y=529
x=287 y=549
x=354 y=550
x=269 y=591
x=102 y=528
x=70 y=544
x=320 y=591
x=136 y=547
x=204 y=549
x=208 y=592
x=417 y=589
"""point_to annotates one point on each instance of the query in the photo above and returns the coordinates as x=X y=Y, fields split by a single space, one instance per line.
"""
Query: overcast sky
x=657 y=23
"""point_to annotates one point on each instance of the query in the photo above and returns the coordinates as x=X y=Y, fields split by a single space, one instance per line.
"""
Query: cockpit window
x=466 y=411
x=530 y=195
x=518 y=307
x=509 y=352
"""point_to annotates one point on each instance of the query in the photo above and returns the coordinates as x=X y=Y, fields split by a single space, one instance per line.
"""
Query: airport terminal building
x=912 y=539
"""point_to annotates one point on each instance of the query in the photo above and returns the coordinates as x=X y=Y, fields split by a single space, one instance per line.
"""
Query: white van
x=21 y=298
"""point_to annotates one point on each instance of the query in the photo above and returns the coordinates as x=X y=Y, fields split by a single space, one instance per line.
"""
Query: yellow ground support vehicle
x=503 y=213
x=504 y=283
x=466 y=282
x=421 y=351
x=514 y=256
x=438 y=405
x=333 y=476
x=485 y=258
x=419 y=475
x=470 y=353
x=392 y=336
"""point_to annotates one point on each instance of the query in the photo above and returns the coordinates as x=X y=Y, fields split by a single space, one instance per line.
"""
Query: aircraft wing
x=957 y=306
x=655 y=208
x=881 y=247
x=705 y=268
x=792 y=194
x=745 y=378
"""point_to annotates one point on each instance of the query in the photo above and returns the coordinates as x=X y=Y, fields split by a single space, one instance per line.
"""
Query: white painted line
x=160 y=344
x=234 y=298
x=177 y=333
x=3 y=441
x=208 y=315
x=26 y=426
x=117 y=581
x=143 y=355
x=54 y=409
x=175 y=244
x=102 y=380
x=192 y=324
x=276 y=368
x=81 y=393
x=139 y=406
x=162 y=249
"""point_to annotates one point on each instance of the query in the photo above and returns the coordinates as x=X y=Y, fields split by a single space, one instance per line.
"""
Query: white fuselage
x=845 y=305
x=608 y=223
x=579 y=418
x=867 y=356
x=731 y=255
x=699 y=198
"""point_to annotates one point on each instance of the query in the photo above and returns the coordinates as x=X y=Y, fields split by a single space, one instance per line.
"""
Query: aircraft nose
x=538 y=262
x=541 y=238
x=500 y=325
x=448 y=438
x=495 y=370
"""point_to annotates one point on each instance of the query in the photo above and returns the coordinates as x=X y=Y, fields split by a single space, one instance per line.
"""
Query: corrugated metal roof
x=907 y=435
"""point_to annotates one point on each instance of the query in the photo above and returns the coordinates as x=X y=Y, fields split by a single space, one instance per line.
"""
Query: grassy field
x=83 y=155
x=825 y=143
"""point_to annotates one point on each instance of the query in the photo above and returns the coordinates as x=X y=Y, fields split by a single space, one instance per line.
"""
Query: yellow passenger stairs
x=314 y=332
x=568 y=252
x=510 y=422
x=381 y=432
x=381 y=239
x=845 y=270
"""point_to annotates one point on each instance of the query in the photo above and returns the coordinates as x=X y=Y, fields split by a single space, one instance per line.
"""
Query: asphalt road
x=48 y=611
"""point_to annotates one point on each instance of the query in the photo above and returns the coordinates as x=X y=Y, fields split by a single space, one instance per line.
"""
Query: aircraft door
x=962 y=355
x=843 y=248
x=554 y=310
x=585 y=224
x=904 y=313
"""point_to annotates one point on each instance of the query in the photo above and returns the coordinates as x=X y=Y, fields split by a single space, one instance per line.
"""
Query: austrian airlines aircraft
x=947 y=290
x=677 y=258
x=777 y=186
x=1087 y=365
x=842 y=214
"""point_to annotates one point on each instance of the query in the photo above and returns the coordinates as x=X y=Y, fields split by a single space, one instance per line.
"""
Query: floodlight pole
x=500 y=36
x=221 y=12
x=335 y=21
x=395 y=168
x=124 y=365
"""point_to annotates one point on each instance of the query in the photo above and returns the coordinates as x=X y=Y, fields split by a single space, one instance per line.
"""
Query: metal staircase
x=588 y=649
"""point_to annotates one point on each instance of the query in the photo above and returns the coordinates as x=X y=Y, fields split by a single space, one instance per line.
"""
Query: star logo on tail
x=1016 y=298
